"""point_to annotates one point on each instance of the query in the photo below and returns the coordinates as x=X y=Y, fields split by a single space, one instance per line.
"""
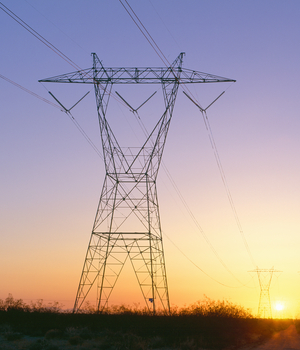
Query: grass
x=206 y=324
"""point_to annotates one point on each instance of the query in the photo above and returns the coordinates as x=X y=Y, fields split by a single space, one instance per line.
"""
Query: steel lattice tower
x=264 y=278
x=127 y=222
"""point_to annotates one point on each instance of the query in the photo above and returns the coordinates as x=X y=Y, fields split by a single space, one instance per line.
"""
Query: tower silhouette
x=127 y=222
x=264 y=278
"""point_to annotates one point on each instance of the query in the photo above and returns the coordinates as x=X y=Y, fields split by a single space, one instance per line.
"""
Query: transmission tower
x=264 y=278
x=127 y=222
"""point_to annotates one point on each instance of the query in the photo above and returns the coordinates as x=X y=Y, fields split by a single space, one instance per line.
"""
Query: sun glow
x=279 y=306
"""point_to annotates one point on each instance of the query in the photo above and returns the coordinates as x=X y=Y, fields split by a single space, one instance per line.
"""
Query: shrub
x=11 y=304
x=12 y=336
x=85 y=333
x=40 y=344
x=212 y=308
x=53 y=333
x=189 y=344
x=156 y=342
x=75 y=340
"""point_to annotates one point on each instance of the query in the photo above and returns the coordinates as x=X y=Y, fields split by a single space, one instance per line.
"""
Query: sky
x=51 y=178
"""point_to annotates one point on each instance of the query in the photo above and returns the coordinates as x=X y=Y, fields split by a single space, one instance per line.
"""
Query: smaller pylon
x=264 y=278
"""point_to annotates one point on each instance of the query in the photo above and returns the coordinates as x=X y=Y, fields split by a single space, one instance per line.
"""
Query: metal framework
x=127 y=222
x=264 y=278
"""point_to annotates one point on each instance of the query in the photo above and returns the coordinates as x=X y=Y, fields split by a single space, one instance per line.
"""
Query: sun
x=279 y=306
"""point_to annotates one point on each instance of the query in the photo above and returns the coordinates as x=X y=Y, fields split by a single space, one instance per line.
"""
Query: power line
x=221 y=170
x=53 y=24
x=60 y=54
x=75 y=122
x=43 y=40
x=37 y=35
x=206 y=121
x=224 y=180
x=84 y=134
x=145 y=33
x=199 y=268
x=189 y=211
x=158 y=51
x=68 y=60
x=164 y=23
x=29 y=91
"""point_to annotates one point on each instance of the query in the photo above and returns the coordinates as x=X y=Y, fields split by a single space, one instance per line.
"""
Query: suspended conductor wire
x=228 y=192
x=37 y=35
x=221 y=170
x=205 y=273
x=53 y=24
x=153 y=44
x=60 y=54
x=29 y=91
x=144 y=129
x=164 y=23
x=173 y=183
x=48 y=43
x=147 y=35
x=220 y=167
x=203 y=111
x=78 y=126
x=100 y=155
x=67 y=59
x=43 y=40
x=146 y=133
x=165 y=61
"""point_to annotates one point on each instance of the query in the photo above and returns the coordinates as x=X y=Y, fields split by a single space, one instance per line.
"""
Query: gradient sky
x=51 y=178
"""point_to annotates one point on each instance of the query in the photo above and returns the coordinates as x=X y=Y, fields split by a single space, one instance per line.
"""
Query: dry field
x=206 y=324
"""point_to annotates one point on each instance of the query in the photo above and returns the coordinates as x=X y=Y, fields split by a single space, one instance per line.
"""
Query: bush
x=10 y=304
x=205 y=324
x=42 y=344
x=75 y=340
x=212 y=308
x=53 y=333
x=13 y=336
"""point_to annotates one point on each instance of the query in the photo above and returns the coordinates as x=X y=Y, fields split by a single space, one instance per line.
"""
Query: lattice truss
x=265 y=278
x=127 y=222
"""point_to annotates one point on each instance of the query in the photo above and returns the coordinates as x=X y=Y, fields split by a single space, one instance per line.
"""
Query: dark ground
x=32 y=330
x=206 y=324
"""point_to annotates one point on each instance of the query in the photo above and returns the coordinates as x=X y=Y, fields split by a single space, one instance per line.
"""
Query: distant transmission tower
x=265 y=278
x=127 y=222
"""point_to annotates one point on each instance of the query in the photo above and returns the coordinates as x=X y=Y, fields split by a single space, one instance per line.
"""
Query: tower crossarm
x=127 y=222
x=132 y=75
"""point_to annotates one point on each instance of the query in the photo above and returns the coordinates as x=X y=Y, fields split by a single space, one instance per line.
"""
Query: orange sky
x=51 y=178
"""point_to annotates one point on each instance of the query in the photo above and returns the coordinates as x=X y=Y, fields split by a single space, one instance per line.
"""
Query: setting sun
x=279 y=306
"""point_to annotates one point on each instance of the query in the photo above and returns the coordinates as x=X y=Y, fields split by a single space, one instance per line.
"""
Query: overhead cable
x=42 y=39
x=222 y=173
x=78 y=126
x=144 y=129
x=37 y=35
x=29 y=91
x=205 y=273
x=145 y=32
x=203 y=111
x=158 y=51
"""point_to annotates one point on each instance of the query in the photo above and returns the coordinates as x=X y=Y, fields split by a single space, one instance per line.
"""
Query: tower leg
x=127 y=222
x=103 y=264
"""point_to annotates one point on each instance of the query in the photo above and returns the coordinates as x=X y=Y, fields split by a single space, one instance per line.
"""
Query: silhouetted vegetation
x=207 y=324
x=297 y=324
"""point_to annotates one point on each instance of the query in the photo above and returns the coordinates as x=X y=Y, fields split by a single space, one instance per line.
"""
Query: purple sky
x=50 y=178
